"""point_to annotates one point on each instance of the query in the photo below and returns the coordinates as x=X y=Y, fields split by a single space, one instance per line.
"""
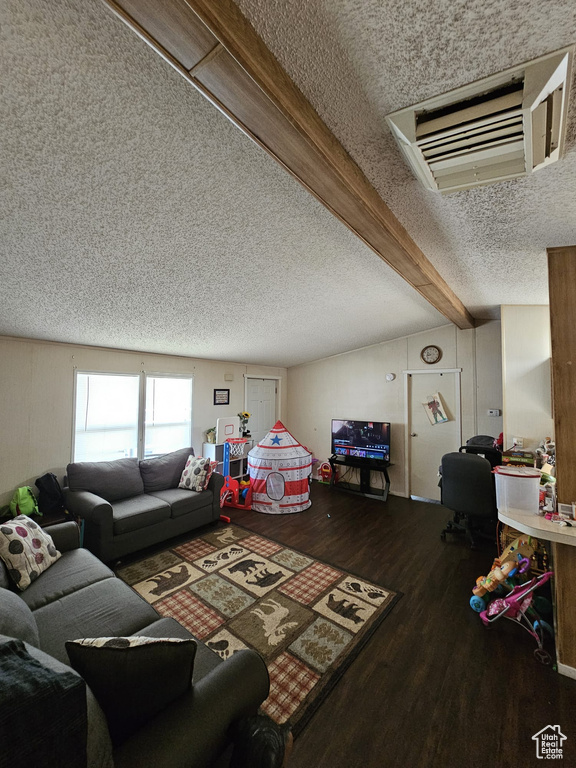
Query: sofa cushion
x=133 y=678
x=112 y=480
x=16 y=618
x=164 y=472
x=99 y=745
x=75 y=570
x=182 y=502
x=108 y=608
x=26 y=549
x=205 y=660
x=140 y=511
x=196 y=473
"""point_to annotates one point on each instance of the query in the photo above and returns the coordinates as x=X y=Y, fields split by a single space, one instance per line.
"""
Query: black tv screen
x=361 y=439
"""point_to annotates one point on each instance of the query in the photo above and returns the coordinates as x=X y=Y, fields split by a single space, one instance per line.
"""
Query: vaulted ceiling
x=136 y=215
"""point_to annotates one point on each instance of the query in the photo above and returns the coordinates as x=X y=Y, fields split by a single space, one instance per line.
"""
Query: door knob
x=413 y=434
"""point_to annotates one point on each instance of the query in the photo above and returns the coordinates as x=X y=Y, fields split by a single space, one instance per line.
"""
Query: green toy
x=24 y=502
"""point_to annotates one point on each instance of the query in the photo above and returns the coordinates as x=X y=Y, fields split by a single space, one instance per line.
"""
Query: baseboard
x=564 y=669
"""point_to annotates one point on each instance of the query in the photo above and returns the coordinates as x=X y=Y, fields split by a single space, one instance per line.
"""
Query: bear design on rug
x=168 y=581
x=346 y=609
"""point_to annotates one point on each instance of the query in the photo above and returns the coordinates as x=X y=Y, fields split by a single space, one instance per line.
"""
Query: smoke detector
x=502 y=127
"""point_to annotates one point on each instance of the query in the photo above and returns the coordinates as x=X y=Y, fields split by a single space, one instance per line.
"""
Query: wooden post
x=562 y=287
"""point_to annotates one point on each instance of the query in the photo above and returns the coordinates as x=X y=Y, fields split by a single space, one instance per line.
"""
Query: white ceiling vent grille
x=498 y=128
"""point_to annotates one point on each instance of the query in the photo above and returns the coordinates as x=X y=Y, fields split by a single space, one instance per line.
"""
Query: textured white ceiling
x=134 y=215
x=358 y=61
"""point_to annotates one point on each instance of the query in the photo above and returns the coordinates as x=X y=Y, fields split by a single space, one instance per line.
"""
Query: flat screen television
x=361 y=439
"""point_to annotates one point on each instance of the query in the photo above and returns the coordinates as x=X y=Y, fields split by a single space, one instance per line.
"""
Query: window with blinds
x=168 y=418
x=122 y=415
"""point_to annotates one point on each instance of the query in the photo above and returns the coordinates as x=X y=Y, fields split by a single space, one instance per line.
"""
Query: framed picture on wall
x=221 y=397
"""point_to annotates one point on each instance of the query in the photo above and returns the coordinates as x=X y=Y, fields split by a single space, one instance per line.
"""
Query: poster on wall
x=435 y=409
x=221 y=397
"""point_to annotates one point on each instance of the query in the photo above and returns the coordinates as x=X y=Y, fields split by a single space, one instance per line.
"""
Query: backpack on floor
x=50 y=498
x=24 y=502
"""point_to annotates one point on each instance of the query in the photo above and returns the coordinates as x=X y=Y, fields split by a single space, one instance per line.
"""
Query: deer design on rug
x=274 y=630
x=227 y=536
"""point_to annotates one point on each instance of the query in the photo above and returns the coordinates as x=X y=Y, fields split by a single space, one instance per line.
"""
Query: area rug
x=233 y=589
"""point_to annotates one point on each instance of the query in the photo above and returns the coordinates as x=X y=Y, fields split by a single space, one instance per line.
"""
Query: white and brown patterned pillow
x=196 y=474
x=26 y=549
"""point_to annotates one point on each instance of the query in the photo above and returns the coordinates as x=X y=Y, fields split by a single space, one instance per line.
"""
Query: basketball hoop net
x=236 y=445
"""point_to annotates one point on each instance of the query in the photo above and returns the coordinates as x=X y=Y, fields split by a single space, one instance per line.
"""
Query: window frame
x=141 y=429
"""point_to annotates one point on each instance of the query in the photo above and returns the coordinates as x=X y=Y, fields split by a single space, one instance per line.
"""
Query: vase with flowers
x=244 y=416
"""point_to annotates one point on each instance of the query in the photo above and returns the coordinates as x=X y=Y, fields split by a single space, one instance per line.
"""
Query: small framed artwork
x=221 y=397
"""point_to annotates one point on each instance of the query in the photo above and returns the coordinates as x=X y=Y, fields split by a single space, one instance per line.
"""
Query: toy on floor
x=517 y=606
x=237 y=495
x=514 y=560
x=234 y=493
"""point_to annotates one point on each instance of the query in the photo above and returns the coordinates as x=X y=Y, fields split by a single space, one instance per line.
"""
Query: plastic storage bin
x=517 y=488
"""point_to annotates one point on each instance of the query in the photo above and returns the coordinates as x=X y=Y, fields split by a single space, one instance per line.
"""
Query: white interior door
x=430 y=438
x=261 y=403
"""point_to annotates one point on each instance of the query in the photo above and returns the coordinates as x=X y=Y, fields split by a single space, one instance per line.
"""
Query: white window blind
x=117 y=414
x=168 y=424
x=106 y=420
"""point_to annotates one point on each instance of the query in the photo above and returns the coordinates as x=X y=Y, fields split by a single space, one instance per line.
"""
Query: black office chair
x=483 y=445
x=468 y=490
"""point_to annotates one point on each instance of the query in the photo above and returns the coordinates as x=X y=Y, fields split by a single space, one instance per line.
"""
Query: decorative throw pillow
x=26 y=549
x=133 y=678
x=195 y=472
x=213 y=465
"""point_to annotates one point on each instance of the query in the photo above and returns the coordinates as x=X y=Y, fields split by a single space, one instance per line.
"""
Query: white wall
x=526 y=374
x=36 y=391
x=353 y=386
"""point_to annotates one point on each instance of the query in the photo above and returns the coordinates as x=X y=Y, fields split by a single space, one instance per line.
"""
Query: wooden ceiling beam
x=214 y=47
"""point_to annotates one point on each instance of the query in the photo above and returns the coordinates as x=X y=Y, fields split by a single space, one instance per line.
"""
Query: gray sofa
x=127 y=505
x=77 y=597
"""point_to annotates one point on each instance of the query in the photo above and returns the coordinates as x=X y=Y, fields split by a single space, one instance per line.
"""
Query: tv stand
x=366 y=466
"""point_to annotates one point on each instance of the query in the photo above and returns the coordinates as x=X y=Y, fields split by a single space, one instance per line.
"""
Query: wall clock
x=431 y=354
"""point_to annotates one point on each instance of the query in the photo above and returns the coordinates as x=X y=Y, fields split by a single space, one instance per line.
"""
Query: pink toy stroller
x=517 y=606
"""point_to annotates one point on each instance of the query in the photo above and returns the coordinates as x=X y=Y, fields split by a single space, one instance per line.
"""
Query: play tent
x=279 y=468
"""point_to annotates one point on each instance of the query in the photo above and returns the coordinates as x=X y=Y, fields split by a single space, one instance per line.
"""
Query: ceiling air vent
x=501 y=127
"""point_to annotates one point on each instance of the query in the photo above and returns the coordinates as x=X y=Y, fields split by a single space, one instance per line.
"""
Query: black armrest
x=66 y=536
x=88 y=506
x=194 y=730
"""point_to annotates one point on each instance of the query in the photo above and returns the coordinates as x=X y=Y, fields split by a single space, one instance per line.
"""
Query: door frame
x=277 y=379
x=407 y=409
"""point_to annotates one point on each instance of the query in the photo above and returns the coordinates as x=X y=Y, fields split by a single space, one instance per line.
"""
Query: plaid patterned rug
x=234 y=589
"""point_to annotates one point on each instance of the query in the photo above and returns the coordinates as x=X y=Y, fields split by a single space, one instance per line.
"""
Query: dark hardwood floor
x=433 y=687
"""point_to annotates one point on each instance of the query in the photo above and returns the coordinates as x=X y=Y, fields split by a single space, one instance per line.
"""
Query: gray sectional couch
x=78 y=597
x=127 y=505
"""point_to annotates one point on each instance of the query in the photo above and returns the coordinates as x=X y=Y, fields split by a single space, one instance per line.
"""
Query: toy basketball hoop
x=236 y=445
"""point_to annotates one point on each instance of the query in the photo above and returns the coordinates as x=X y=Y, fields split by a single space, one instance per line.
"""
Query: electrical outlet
x=493 y=412
x=518 y=442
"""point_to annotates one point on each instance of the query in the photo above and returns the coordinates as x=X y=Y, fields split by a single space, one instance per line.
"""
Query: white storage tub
x=517 y=488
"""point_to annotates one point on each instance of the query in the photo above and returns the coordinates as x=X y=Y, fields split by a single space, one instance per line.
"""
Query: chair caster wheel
x=543 y=656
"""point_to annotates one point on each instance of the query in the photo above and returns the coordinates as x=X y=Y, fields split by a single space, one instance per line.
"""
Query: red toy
x=237 y=495
x=326 y=473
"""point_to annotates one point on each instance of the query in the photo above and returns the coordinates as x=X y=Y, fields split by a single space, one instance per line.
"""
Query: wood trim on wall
x=250 y=87
x=562 y=288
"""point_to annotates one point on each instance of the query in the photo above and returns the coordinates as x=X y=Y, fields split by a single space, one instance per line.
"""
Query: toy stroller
x=517 y=606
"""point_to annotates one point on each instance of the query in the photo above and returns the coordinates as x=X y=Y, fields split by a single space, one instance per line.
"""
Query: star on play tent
x=276 y=440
